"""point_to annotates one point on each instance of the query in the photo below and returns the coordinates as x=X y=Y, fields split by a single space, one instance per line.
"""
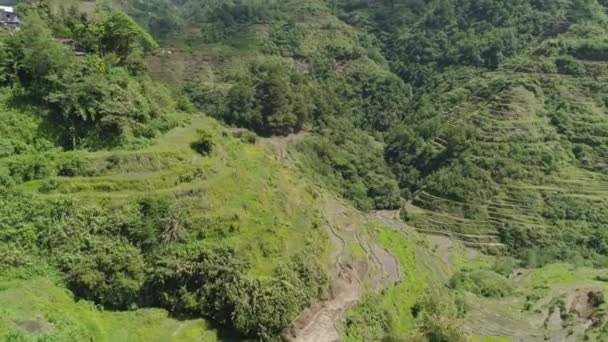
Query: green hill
x=516 y=152
x=308 y=170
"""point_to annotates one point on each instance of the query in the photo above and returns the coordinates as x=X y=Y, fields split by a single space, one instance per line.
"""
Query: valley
x=304 y=170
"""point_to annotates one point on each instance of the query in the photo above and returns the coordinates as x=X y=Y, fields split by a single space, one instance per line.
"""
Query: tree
x=273 y=93
x=120 y=34
x=109 y=271
x=270 y=100
x=38 y=59
x=438 y=318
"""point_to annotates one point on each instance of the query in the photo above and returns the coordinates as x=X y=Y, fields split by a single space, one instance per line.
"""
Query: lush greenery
x=461 y=105
x=142 y=222
x=413 y=309
x=90 y=86
x=480 y=120
x=124 y=242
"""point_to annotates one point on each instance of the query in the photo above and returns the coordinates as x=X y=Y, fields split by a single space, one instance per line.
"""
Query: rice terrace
x=303 y=170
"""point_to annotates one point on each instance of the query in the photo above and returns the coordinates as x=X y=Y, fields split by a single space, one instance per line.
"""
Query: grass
x=236 y=196
x=394 y=301
x=518 y=315
x=82 y=321
x=399 y=299
x=269 y=212
x=356 y=249
x=560 y=274
x=494 y=339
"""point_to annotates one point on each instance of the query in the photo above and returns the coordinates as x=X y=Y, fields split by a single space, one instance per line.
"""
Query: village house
x=8 y=18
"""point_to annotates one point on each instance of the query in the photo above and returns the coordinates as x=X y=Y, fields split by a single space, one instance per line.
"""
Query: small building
x=8 y=18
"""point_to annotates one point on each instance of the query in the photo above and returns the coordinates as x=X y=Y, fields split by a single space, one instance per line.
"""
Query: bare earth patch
x=37 y=326
x=348 y=275
x=321 y=321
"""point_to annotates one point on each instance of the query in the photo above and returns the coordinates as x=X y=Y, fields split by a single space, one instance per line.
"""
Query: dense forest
x=133 y=169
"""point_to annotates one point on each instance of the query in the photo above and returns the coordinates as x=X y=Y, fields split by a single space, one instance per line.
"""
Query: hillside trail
x=321 y=321
x=349 y=276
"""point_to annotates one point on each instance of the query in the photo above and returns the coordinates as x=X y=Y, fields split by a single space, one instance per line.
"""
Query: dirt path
x=348 y=275
x=320 y=322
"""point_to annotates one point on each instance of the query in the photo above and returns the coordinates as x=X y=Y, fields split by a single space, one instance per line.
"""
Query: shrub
x=481 y=282
x=72 y=165
x=505 y=266
x=31 y=167
x=246 y=136
x=404 y=215
x=370 y=322
x=204 y=143
x=199 y=279
x=569 y=65
x=109 y=271
x=49 y=185
x=438 y=317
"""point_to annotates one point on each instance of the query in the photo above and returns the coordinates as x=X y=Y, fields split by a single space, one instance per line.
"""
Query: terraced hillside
x=308 y=170
x=205 y=187
x=120 y=209
x=489 y=142
x=235 y=196
x=520 y=155
x=364 y=256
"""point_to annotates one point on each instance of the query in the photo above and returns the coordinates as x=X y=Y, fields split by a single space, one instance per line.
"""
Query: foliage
x=569 y=65
x=390 y=315
x=478 y=107
x=370 y=322
x=439 y=317
x=375 y=98
x=488 y=115
x=23 y=299
x=153 y=247
x=105 y=270
x=245 y=136
x=196 y=279
x=462 y=32
x=204 y=143
x=481 y=282
x=272 y=100
x=122 y=36
x=101 y=100
x=353 y=167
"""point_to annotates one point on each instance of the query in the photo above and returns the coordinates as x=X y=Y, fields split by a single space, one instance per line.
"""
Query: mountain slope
x=480 y=125
x=519 y=154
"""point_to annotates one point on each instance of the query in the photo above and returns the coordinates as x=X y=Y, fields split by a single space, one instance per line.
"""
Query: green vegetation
x=143 y=222
x=102 y=99
x=502 y=136
x=481 y=121
x=270 y=102
x=481 y=114
x=412 y=308
x=481 y=282
x=126 y=242
x=23 y=300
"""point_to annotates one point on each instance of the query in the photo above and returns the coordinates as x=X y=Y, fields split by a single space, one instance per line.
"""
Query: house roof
x=7 y=9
